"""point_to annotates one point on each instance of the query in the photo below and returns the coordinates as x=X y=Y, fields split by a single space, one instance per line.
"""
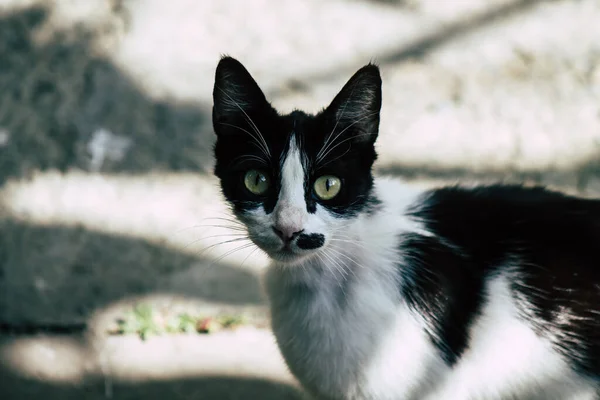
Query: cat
x=382 y=292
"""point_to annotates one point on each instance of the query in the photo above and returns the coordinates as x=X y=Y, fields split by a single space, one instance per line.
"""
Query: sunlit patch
x=45 y=358
x=127 y=359
x=181 y=212
x=4 y=137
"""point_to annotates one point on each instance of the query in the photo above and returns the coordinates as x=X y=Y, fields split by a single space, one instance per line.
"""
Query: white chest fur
x=363 y=343
x=355 y=341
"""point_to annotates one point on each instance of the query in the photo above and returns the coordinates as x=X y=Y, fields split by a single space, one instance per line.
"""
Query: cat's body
x=381 y=292
x=424 y=312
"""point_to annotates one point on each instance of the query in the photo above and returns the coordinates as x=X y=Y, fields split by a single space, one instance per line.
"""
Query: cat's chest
x=325 y=340
x=342 y=340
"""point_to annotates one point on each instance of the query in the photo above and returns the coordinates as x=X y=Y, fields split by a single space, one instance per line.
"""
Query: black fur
x=445 y=288
x=353 y=114
x=546 y=242
x=310 y=241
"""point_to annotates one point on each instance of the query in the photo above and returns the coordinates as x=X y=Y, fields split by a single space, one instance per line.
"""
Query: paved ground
x=106 y=196
x=230 y=365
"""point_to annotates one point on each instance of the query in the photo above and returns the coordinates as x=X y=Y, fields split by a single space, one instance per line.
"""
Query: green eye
x=327 y=187
x=256 y=182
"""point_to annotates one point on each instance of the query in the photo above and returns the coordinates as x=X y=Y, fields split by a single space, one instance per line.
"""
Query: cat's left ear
x=236 y=96
x=357 y=106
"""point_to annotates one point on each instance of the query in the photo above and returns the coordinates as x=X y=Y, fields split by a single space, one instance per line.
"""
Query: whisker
x=337 y=158
x=341 y=254
x=320 y=155
x=233 y=228
x=265 y=150
x=324 y=147
x=221 y=243
x=362 y=245
x=249 y=120
x=235 y=221
x=213 y=263
x=347 y=269
x=244 y=157
x=336 y=268
x=214 y=236
x=242 y=247
x=340 y=143
x=343 y=268
x=248 y=256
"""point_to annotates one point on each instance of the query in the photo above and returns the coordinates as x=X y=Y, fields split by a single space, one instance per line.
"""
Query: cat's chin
x=287 y=257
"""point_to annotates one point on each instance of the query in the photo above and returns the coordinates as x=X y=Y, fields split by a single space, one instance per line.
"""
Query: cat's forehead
x=306 y=131
x=302 y=126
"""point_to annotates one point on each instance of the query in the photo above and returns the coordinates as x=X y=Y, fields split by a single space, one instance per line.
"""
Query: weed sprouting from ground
x=144 y=321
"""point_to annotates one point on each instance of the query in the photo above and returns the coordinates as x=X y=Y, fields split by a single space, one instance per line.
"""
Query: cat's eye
x=327 y=187
x=256 y=182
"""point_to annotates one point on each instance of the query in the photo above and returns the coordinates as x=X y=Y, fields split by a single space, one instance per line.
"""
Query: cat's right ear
x=356 y=107
x=236 y=96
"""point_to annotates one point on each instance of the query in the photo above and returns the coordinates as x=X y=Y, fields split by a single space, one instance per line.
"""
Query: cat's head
x=296 y=180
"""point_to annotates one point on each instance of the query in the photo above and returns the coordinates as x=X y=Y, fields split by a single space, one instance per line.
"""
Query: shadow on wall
x=58 y=276
x=421 y=46
x=63 y=107
x=581 y=179
x=16 y=387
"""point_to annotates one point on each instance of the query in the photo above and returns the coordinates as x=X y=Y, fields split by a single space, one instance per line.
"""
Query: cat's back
x=544 y=244
x=508 y=210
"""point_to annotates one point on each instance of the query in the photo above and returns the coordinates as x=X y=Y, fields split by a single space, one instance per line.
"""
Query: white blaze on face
x=290 y=210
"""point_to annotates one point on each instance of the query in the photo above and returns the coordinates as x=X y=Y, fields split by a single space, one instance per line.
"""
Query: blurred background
x=110 y=228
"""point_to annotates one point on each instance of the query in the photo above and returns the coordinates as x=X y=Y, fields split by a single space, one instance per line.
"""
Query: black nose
x=287 y=235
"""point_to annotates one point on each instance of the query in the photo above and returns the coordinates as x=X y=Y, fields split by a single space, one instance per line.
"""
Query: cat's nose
x=287 y=233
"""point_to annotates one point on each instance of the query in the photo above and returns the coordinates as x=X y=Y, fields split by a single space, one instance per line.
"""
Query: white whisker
x=233 y=228
x=337 y=267
x=338 y=157
x=248 y=256
x=249 y=157
x=242 y=247
x=326 y=144
x=341 y=142
x=258 y=143
x=250 y=121
x=213 y=263
x=220 y=243
x=232 y=220
x=341 y=254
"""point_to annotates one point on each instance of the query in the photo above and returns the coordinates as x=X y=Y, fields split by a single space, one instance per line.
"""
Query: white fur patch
x=290 y=211
x=506 y=358
x=406 y=364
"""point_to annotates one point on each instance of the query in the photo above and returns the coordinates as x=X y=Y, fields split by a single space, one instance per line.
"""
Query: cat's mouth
x=300 y=249
x=290 y=252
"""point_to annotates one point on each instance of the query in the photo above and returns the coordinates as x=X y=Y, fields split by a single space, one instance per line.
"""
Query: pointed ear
x=356 y=107
x=236 y=95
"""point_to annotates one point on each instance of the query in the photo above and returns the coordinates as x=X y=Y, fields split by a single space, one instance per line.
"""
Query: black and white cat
x=381 y=292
